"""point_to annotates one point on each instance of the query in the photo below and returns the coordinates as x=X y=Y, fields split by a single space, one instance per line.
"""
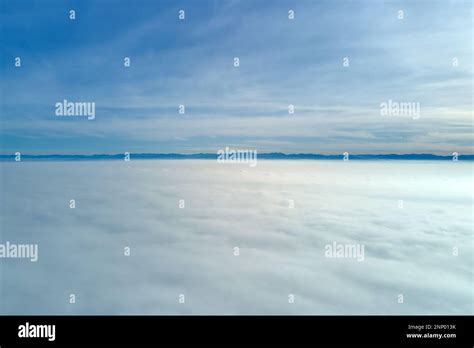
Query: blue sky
x=282 y=62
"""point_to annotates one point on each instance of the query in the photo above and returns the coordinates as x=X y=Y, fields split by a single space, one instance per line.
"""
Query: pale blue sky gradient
x=190 y=62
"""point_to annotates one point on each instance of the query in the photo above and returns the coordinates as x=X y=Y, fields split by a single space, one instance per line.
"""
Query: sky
x=190 y=62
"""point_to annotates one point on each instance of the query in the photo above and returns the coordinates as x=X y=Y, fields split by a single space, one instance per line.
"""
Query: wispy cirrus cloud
x=283 y=62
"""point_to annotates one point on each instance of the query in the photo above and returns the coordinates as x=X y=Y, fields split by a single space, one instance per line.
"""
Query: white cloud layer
x=189 y=251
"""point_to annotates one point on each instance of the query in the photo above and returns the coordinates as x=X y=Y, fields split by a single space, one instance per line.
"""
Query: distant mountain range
x=269 y=156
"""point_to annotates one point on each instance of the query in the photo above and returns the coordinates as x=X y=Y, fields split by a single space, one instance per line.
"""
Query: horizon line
x=265 y=155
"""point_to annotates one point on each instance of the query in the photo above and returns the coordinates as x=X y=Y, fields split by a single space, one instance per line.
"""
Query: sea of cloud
x=409 y=246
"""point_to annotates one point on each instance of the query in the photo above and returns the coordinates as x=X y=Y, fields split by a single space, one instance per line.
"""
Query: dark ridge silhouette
x=269 y=156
